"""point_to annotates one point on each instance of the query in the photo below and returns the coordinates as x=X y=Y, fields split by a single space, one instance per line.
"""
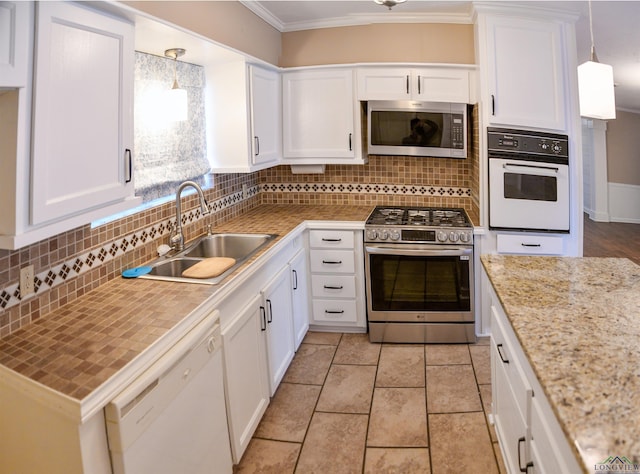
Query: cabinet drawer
x=333 y=286
x=506 y=356
x=530 y=244
x=332 y=261
x=335 y=310
x=339 y=239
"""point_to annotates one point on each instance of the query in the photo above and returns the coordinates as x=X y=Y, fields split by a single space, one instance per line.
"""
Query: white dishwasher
x=172 y=419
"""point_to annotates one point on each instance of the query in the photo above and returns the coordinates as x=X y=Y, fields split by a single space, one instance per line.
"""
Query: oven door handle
x=555 y=169
x=438 y=252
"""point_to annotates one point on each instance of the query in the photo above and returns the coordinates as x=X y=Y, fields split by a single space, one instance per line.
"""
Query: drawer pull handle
x=295 y=279
x=524 y=469
x=330 y=311
x=331 y=240
x=330 y=262
x=505 y=361
x=330 y=287
x=531 y=245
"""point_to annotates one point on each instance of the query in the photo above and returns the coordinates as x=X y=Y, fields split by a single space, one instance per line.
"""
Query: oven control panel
x=528 y=142
x=419 y=236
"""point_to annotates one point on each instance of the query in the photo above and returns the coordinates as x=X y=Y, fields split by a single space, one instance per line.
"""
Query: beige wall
x=226 y=22
x=433 y=42
x=623 y=148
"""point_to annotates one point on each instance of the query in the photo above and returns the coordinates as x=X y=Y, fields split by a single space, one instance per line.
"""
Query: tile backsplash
x=75 y=262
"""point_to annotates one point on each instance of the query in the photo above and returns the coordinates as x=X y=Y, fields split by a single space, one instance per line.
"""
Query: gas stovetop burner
x=419 y=224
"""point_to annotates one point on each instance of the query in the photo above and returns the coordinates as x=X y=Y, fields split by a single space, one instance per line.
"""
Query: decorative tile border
x=79 y=264
x=359 y=188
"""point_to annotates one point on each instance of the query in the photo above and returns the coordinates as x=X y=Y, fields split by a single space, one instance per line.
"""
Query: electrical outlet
x=244 y=191
x=26 y=281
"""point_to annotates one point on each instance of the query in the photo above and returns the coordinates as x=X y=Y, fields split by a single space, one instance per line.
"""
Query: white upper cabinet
x=432 y=84
x=81 y=129
x=82 y=125
x=16 y=36
x=320 y=123
x=524 y=71
x=246 y=111
x=266 y=106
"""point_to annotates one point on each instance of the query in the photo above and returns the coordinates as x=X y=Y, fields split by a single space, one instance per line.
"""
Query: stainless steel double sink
x=237 y=246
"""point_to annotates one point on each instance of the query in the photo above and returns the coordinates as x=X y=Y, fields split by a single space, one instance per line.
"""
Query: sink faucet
x=177 y=239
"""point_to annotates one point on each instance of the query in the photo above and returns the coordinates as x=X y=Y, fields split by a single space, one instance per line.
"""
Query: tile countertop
x=79 y=347
x=578 y=321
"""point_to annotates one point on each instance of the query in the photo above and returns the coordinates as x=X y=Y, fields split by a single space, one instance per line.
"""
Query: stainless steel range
x=419 y=275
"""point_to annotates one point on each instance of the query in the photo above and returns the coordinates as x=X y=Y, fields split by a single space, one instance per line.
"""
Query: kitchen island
x=577 y=321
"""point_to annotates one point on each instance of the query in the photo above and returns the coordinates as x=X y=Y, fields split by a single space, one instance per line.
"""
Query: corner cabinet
x=321 y=118
x=81 y=129
x=433 y=84
x=522 y=62
x=246 y=112
x=530 y=437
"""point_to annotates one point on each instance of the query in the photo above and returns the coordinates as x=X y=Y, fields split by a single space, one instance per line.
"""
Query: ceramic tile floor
x=349 y=406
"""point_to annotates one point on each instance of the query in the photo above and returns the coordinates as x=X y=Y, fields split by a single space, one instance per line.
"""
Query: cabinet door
x=265 y=116
x=280 y=341
x=300 y=296
x=384 y=84
x=82 y=124
x=525 y=68
x=16 y=30
x=442 y=85
x=245 y=365
x=318 y=114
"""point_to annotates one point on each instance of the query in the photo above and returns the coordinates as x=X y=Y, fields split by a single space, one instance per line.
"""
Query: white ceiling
x=615 y=27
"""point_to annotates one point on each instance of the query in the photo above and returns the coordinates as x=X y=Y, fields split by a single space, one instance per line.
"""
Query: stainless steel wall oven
x=419 y=275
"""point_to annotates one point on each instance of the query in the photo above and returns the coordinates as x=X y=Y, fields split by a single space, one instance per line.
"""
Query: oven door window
x=418 y=283
x=530 y=187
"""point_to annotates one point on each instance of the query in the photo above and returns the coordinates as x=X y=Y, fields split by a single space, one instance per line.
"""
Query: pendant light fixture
x=389 y=3
x=176 y=98
x=595 y=85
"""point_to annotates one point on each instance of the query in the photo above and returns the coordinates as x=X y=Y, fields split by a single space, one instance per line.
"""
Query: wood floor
x=611 y=239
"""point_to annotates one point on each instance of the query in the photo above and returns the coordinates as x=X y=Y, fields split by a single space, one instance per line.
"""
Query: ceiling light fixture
x=595 y=85
x=176 y=97
x=389 y=3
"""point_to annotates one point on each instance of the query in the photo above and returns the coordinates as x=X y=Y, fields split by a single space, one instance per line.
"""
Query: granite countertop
x=79 y=347
x=578 y=321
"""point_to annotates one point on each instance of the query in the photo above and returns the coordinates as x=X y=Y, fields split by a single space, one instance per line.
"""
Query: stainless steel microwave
x=413 y=128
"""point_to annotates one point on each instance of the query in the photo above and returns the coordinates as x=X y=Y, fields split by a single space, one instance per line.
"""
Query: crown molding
x=359 y=19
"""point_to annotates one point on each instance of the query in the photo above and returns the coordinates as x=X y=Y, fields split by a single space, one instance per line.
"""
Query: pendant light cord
x=593 y=56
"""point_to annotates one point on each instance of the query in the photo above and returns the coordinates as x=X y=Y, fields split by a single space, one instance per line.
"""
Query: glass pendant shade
x=595 y=88
x=176 y=102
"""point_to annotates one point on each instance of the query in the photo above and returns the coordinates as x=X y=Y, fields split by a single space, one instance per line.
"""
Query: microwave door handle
x=534 y=167
x=419 y=253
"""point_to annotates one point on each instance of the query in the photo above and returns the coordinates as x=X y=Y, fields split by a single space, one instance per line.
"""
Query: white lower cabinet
x=528 y=432
x=245 y=364
x=300 y=296
x=337 y=279
x=277 y=323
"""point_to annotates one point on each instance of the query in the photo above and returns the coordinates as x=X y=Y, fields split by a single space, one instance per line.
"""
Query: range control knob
x=394 y=235
x=465 y=237
x=372 y=234
x=453 y=236
x=544 y=146
x=442 y=236
x=383 y=234
x=557 y=148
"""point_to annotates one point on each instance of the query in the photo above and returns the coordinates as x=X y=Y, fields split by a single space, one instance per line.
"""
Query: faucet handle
x=208 y=229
